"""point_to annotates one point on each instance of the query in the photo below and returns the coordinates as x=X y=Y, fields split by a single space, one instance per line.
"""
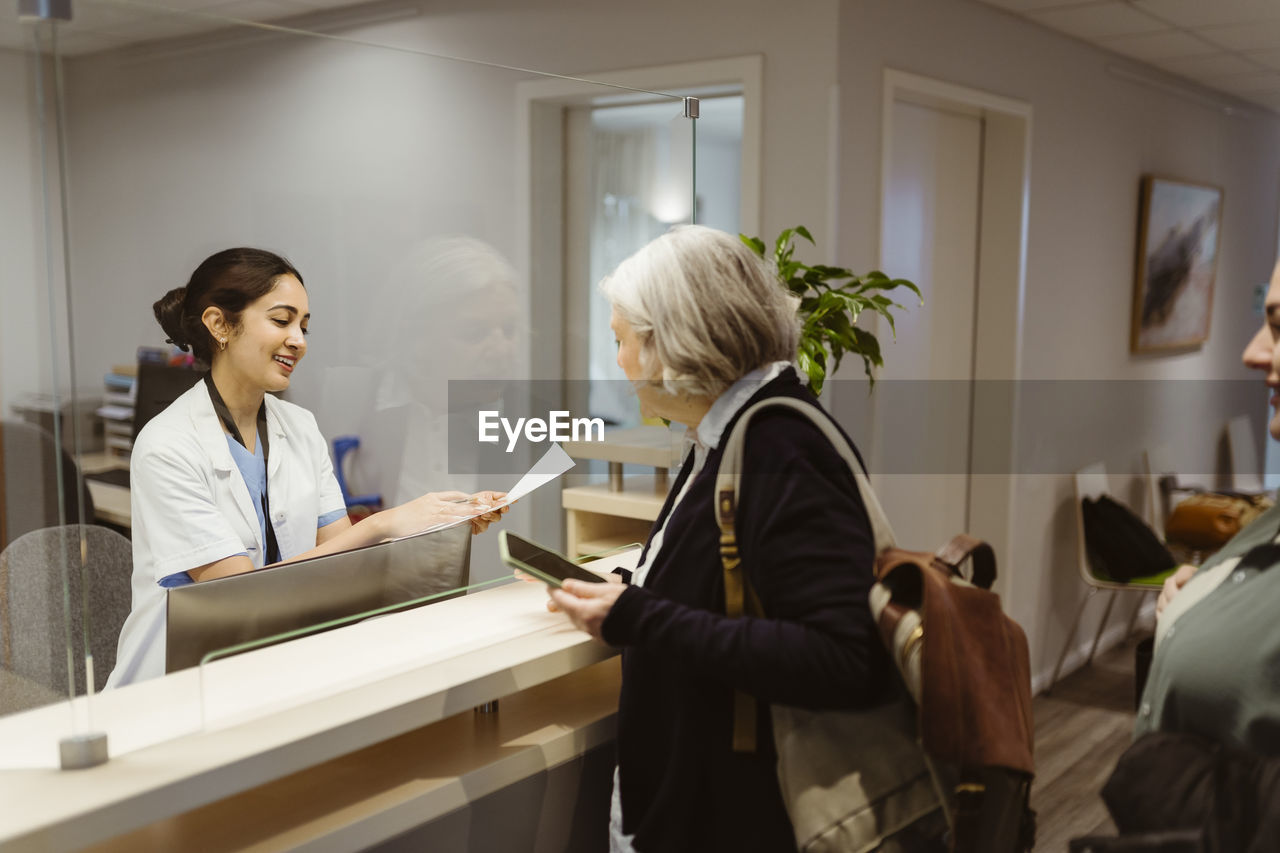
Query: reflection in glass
x=451 y=300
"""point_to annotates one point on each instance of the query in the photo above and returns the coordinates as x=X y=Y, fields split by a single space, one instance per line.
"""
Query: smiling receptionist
x=228 y=478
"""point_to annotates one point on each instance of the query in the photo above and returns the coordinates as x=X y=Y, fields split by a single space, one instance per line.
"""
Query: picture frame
x=1178 y=229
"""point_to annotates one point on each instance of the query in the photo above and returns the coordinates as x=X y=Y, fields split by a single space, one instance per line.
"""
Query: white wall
x=1093 y=136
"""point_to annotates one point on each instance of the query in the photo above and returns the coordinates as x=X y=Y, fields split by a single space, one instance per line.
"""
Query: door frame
x=545 y=246
x=1000 y=292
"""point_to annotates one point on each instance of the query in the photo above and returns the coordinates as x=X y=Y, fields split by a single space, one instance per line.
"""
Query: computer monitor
x=217 y=614
x=157 y=386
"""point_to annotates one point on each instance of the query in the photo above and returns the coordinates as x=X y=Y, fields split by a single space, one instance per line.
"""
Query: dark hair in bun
x=229 y=280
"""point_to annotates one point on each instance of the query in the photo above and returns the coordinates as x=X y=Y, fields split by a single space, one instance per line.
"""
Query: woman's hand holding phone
x=586 y=604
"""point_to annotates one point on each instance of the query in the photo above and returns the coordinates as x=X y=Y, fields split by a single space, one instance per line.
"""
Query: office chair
x=34 y=607
x=1091 y=482
x=30 y=488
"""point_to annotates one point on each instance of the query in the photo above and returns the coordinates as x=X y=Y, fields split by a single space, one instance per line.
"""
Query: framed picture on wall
x=1177 y=262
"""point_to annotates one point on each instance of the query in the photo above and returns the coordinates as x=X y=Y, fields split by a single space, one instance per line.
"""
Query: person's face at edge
x=271 y=340
x=1263 y=352
x=651 y=398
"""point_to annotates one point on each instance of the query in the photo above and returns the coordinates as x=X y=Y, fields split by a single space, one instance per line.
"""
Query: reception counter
x=356 y=738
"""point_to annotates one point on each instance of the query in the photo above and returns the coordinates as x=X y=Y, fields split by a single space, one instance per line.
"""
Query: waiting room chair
x=30 y=487
x=34 y=629
x=1091 y=482
x=1246 y=471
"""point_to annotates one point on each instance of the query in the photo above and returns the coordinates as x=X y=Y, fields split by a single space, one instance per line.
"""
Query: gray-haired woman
x=704 y=330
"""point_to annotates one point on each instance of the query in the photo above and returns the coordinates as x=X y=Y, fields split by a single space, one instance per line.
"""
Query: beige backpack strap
x=731 y=465
x=738 y=595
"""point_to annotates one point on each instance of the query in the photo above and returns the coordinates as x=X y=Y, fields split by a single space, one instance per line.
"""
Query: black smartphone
x=544 y=564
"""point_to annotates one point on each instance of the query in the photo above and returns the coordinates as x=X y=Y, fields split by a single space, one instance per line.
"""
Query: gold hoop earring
x=222 y=344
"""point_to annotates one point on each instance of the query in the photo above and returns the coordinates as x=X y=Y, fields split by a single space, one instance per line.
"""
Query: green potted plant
x=831 y=301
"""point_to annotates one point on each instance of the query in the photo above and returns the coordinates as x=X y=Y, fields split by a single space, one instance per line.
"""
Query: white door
x=931 y=212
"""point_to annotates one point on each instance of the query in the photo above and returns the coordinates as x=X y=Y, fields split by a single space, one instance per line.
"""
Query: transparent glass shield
x=408 y=188
x=45 y=556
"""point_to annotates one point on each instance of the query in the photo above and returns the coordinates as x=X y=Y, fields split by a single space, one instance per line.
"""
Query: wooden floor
x=1081 y=729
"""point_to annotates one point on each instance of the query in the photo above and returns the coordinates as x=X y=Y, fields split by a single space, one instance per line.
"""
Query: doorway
x=932 y=207
x=955 y=177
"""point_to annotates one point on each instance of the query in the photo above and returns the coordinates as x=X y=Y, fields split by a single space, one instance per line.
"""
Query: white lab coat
x=190 y=507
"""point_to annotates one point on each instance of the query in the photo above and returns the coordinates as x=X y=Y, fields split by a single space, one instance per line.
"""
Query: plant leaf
x=885 y=313
x=902 y=282
x=889 y=284
x=868 y=346
x=754 y=243
x=827 y=272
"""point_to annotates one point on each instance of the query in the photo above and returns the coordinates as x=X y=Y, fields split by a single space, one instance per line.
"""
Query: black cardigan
x=807 y=550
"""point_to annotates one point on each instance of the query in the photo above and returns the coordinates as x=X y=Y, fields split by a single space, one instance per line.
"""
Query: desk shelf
x=598 y=518
x=604 y=516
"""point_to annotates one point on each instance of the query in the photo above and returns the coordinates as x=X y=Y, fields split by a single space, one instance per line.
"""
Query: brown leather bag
x=1208 y=520
x=967 y=665
x=975 y=689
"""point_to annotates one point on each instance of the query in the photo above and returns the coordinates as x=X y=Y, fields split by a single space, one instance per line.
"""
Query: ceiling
x=1231 y=46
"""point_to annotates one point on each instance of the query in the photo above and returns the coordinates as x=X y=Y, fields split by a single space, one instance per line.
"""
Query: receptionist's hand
x=417 y=515
x=587 y=604
x=480 y=523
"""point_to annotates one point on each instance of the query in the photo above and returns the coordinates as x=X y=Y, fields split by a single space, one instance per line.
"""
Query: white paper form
x=552 y=464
